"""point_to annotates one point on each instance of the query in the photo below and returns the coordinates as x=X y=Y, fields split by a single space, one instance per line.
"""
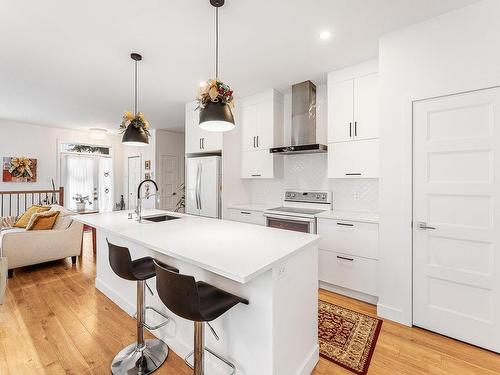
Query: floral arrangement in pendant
x=137 y=122
x=215 y=91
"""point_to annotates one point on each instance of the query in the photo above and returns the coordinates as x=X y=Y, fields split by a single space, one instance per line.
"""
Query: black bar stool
x=195 y=301
x=144 y=356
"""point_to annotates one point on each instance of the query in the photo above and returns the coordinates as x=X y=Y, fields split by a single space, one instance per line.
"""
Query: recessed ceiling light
x=324 y=35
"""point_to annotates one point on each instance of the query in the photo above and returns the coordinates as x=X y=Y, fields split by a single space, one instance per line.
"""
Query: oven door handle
x=290 y=218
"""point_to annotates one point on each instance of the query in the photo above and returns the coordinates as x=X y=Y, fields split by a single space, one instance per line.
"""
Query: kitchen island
x=276 y=270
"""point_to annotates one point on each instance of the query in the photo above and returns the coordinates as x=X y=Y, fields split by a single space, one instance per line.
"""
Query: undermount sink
x=158 y=218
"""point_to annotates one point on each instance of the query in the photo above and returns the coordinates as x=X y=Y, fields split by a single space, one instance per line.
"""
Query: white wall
x=170 y=143
x=42 y=143
x=455 y=52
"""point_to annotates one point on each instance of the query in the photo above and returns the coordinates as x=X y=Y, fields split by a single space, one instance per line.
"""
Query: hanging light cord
x=135 y=92
x=216 y=43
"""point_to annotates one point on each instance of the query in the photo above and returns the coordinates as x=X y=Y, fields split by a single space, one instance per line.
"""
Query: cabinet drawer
x=247 y=216
x=354 y=159
x=349 y=237
x=349 y=271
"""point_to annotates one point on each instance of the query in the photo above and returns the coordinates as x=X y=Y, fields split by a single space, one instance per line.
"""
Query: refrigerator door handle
x=199 y=184
x=196 y=186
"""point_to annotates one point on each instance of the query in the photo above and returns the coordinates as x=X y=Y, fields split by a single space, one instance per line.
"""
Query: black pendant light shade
x=135 y=137
x=216 y=117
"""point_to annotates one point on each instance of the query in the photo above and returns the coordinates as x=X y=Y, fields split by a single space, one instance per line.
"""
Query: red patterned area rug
x=347 y=337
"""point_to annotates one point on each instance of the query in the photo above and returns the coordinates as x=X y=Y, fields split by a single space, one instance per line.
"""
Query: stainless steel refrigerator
x=203 y=186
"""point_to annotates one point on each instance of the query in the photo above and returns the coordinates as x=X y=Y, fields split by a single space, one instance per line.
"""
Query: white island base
x=275 y=334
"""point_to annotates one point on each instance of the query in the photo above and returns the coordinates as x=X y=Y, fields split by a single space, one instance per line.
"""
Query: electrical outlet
x=281 y=272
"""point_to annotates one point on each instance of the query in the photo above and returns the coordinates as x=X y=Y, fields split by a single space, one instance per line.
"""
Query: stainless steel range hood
x=303 y=122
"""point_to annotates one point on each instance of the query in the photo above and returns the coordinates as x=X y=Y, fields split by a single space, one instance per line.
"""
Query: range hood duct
x=303 y=121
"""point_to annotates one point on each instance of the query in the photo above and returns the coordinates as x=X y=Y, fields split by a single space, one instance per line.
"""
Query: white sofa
x=25 y=248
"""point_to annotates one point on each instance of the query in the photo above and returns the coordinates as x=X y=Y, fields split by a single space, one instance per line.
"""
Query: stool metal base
x=134 y=360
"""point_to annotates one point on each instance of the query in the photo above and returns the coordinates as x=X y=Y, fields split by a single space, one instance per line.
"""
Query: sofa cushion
x=23 y=221
x=8 y=221
x=64 y=219
x=43 y=220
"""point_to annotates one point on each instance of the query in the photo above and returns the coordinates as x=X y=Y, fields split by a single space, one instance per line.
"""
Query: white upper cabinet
x=353 y=104
x=366 y=107
x=199 y=140
x=353 y=127
x=261 y=129
x=340 y=109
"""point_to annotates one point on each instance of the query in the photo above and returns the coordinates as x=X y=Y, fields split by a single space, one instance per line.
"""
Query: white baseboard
x=349 y=293
x=394 y=314
x=311 y=362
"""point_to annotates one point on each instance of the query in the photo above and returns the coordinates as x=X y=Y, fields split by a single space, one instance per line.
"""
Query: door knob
x=423 y=225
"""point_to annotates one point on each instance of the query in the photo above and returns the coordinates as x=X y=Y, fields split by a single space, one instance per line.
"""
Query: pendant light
x=134 y=126
x=216 y=98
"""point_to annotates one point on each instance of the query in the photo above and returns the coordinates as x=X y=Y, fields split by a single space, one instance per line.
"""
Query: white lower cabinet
x=246 y=216
x=348 y=256
x=348 y=271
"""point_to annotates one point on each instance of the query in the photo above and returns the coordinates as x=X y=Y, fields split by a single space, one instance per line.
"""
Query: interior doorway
x=169 y=182
x=456 y=216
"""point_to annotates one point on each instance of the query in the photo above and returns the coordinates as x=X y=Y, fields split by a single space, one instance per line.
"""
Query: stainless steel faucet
x=138 y=208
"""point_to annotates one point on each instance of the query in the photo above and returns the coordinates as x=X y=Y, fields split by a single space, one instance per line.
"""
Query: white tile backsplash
x=309 y=172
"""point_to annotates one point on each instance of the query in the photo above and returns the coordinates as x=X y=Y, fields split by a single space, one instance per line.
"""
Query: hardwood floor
x=54 y=321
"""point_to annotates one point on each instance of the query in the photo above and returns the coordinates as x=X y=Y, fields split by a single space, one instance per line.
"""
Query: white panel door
x=456 y=216
x=169 y=174
x=340 y=111
x=134 y=178
x=249 y=127
x=366 y=107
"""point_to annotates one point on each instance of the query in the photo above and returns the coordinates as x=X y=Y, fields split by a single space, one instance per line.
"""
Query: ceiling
x=66 y=63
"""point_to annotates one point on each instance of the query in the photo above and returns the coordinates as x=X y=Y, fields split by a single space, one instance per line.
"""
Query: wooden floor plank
x=54 y=321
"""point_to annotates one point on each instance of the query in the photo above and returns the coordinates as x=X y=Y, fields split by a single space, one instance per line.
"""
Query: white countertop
x=237 y=251
x=365 y=217
x=253 y=207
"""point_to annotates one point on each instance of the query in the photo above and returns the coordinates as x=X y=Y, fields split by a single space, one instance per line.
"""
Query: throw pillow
x=64 y=219
x=23 y=221
x=43 y=220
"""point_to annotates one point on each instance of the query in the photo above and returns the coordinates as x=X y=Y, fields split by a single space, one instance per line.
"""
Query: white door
x=340 y=106
x=192 y=179
x=456 y=216
x=169 y=176
x=134 y=178
x=366 y=107
x=193 y=139
x=265 y=126
x=357 y=159
x=208 y=186
x=248 y=127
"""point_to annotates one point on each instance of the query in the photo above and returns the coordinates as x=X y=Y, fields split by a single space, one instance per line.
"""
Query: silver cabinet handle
x=353 y=174
x=423 y=225
x=257 y=141
x=355 y=128
x=254 y=141
x=244 y=212
x=256 y=175
x=350 y=129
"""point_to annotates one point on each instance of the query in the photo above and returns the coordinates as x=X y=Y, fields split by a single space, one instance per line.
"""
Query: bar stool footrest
x=218 y=356
x=162 y=324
